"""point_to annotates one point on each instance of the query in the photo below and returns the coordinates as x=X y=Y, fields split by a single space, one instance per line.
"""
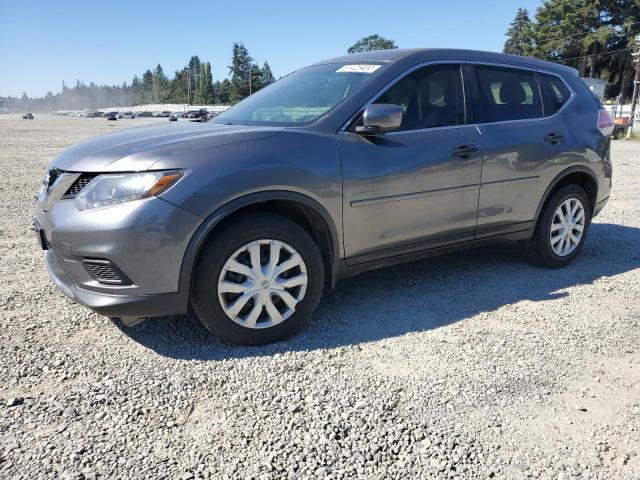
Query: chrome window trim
x=461 y=62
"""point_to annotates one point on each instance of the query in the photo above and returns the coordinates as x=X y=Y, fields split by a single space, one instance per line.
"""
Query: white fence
x=169 y=107
x=162 y=107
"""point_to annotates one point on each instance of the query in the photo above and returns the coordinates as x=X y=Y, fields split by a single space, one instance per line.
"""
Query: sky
x=43 y=42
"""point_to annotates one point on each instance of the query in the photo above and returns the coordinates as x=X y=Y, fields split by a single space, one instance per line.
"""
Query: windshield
x=302 y=97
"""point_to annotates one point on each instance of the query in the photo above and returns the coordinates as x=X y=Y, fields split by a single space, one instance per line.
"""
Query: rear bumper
x=116 y=305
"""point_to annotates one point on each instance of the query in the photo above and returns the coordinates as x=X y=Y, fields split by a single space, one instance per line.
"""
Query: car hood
x=140 y=148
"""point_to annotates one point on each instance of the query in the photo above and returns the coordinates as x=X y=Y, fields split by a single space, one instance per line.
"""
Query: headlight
x=112 y=188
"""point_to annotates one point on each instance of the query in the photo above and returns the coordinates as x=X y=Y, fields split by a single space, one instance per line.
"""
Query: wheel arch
x=298 y=207
x=579 y=175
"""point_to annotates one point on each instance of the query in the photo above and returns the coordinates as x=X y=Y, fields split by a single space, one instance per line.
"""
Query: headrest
x=512 y=93
x=451 y=94
x=432 y=88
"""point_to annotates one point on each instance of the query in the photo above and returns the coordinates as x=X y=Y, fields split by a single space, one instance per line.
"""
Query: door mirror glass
x=380 y=118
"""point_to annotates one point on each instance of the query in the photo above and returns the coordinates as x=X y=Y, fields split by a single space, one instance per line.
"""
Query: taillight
x=605 y=122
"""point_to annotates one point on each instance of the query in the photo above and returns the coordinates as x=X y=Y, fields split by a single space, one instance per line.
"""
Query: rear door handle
x=465 y=152
x=553 y=138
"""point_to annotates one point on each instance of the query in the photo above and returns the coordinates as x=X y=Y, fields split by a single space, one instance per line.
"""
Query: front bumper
x=115 y=305
x=145 y=239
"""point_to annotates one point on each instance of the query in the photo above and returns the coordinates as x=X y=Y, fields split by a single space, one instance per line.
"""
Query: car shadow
x=413 y=297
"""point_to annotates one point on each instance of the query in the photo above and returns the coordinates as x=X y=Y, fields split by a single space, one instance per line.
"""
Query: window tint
x=554 y=93
x=431 y=97
x=507 y=94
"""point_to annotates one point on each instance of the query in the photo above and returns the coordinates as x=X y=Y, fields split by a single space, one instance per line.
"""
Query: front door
x=416 y=188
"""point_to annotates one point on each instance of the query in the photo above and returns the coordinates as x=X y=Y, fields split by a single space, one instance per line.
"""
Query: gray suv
x=347 y=165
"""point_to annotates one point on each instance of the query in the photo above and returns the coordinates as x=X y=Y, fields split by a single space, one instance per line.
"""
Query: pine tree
x=224 y=92
x=178 y=86
x=159 y=83
x=266 y=77
x=570 y=29
x=207 y=93
x=521 y=37
x=256 y=79
x=240 y=70
x=200 y=94
x=136 y=91
x=147 y=87
x=194 y=71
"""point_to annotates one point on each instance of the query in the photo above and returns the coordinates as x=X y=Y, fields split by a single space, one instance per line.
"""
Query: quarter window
x=554 y=93
x=431 y=97
x=507 y=94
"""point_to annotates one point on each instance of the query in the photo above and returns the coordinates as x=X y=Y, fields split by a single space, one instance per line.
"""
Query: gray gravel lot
x=472 y=365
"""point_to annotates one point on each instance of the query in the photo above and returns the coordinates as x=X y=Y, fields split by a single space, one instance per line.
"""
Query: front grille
x=104 y=271
x=51 y=176
x=78 y=185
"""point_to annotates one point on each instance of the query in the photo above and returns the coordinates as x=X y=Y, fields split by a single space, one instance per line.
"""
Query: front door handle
x=553 y=138
x=465 y=152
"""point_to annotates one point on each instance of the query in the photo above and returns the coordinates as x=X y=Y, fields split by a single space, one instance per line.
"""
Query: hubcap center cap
x=264 y=284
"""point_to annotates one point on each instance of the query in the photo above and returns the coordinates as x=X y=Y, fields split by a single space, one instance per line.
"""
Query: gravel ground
x=472 y=365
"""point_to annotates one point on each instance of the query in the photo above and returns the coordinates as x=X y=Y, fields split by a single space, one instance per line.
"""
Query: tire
x=543 y=250
x=237 y=241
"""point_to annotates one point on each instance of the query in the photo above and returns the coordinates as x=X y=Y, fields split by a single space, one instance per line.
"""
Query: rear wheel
x=563 y=226
x=258 y=281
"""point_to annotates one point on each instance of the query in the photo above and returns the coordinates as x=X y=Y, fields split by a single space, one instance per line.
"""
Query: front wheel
x=258 y=281
x=563 y=227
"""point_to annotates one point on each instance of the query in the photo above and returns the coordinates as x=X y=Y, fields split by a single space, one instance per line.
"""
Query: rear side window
x=554 y=93
x=431 y=97
x=507 y=94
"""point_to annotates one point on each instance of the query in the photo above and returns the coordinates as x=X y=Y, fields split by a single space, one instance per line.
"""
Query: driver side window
x=431 y=97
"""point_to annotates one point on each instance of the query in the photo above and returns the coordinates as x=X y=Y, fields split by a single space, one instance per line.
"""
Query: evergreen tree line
x=192 y=85
x=595 y=37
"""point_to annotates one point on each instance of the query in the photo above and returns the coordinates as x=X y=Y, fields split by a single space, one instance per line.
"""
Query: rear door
x=520 y=147
x=415 y=188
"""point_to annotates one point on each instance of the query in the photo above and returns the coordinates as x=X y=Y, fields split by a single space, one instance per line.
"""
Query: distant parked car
x=173 y=118
x=165 y=114
x=128 y=115
x=144 y=114
x=27 y=116
x=201 y=115
x=112 y=116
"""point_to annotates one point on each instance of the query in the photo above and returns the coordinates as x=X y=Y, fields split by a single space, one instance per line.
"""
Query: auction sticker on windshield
x=358 y=68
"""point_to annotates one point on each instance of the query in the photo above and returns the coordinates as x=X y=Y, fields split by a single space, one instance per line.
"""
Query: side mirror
x=380 y=118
